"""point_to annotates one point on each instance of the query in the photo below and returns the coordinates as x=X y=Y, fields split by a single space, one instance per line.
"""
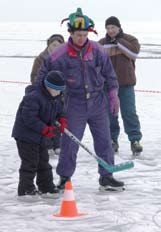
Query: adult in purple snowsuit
x=86 y=67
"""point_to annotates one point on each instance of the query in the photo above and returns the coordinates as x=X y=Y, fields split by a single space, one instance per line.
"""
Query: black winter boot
x=108 y=183
x=62 y=181
x=51 y=193
x=136 y=147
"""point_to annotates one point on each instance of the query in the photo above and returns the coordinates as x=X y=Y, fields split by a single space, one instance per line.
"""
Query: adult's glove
x=63 y=124
x=113 y=40
x=48 y=131
x=114 y=102
x=117 y=36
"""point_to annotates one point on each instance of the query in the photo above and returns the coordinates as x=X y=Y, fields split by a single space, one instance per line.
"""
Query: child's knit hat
x=55 y=80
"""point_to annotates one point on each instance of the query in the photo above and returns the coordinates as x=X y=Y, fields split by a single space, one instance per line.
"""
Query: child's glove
x=114 y=102
x=48 y=131
x=63 y=124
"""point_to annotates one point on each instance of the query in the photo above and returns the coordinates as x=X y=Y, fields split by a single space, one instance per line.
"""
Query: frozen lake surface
x=137 y=209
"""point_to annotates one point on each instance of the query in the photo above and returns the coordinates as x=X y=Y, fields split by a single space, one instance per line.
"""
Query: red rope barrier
x=28 y=83
x=15 y=82
x=147 y=91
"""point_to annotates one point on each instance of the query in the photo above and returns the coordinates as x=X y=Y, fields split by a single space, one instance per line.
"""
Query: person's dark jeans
x=129 y=116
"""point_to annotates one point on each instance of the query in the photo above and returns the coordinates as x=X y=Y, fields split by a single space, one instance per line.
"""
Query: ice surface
x=137 y=209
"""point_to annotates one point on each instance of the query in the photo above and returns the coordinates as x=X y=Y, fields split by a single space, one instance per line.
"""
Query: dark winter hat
x=55 y=37
x=112 y=21
x=78 y=21
x=55 y=80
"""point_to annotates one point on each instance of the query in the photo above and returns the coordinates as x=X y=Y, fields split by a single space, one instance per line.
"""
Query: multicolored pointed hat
x=78 y=21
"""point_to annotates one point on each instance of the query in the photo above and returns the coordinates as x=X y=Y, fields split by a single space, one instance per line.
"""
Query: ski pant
x=79 y=112
x=129 y=116
x=34 y=163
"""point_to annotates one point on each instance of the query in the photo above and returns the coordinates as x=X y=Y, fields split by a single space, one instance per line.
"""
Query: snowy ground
x=137 y=209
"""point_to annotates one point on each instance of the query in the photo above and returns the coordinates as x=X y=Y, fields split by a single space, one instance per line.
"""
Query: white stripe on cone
x=68 y=195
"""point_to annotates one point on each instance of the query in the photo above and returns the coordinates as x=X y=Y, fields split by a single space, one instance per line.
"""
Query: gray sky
x=56 y=10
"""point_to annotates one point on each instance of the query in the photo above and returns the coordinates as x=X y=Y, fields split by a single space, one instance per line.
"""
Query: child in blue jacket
x=34 y=125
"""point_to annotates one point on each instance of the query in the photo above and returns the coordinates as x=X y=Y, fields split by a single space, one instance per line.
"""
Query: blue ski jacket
x=36 y=110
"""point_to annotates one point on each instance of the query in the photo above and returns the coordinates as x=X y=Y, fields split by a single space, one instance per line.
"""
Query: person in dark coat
x=34 y=125
x=123 y=50
x=86 y=67
x=53 y=42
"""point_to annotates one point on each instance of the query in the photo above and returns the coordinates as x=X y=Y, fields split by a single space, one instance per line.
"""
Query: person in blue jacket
x=34 y=125
x=86 y=67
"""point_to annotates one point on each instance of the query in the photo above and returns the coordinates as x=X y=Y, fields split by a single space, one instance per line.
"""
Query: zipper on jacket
x=83 y=72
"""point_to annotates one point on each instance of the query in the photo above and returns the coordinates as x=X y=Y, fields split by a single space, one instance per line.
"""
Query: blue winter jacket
x=85 y=71
x=36 y=110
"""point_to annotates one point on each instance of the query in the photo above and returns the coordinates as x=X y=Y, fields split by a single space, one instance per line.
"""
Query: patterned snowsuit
x=85 y=73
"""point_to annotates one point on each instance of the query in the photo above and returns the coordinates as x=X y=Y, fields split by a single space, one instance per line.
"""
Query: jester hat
x=78 y=21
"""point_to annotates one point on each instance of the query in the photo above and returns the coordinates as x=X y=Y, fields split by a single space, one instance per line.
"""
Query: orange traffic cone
x=68 y=207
